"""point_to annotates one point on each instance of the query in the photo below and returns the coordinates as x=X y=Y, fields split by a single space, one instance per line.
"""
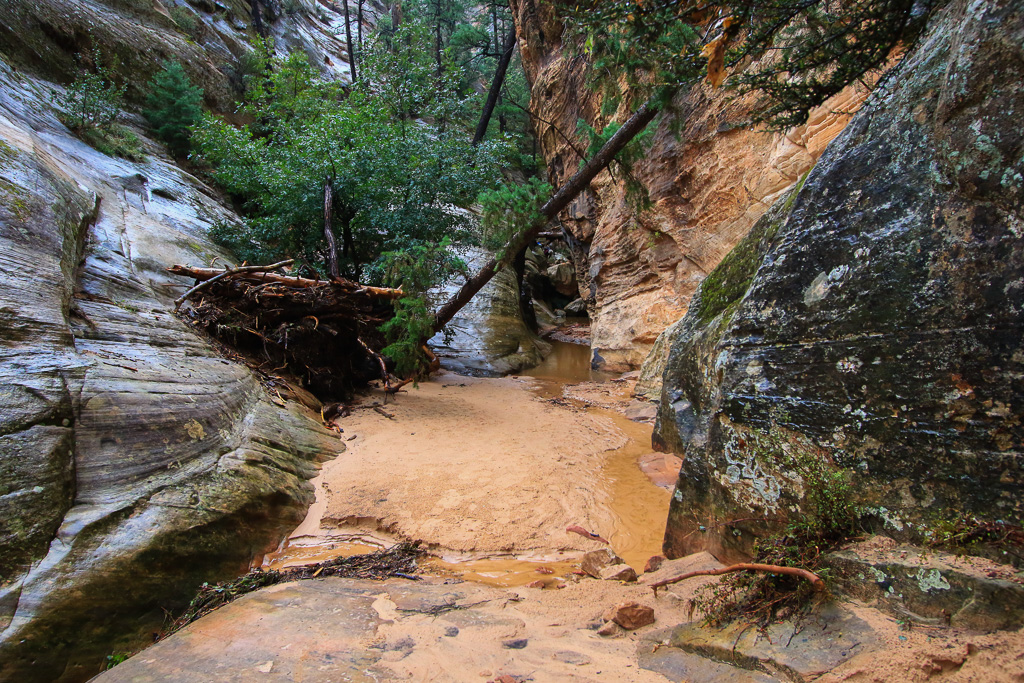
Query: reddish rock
x=535 y=584
x=661 y=468
x=618 y=572
x=654 y=564
x=545 y=570
x=609 y=629
x=630 y=615
x=596 y=560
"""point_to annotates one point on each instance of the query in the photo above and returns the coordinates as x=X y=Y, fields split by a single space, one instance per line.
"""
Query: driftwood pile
x=322 y=332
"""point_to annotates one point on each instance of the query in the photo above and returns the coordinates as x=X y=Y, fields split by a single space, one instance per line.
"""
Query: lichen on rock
x=873 y=312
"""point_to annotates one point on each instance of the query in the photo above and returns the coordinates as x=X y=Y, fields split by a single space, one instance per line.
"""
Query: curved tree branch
x=815 y=580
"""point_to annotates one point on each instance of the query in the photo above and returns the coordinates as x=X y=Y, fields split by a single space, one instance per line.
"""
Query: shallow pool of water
x=637 y=507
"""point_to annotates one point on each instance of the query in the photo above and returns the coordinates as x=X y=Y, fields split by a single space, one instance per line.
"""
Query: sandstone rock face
x=44 y=37
x=488 y=337
x=135 y=461
x=709 y=184
x=873 y=320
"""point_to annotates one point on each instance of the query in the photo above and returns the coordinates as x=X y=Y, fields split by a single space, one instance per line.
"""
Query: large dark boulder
x=873 y=320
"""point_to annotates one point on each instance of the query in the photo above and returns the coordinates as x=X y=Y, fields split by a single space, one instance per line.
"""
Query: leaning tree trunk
x=499 y=78
x=558 y=201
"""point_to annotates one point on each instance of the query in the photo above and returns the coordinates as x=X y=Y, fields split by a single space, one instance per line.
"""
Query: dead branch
x=259 y=274
x=577 y=529
x=380 y=360
x=223 y=274
x=815 y=580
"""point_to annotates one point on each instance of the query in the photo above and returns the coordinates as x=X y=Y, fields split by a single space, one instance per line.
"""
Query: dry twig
x=815 y=580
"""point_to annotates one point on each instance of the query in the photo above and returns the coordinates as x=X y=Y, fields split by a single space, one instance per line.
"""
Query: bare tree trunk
x=499 y=78
x=558 y=201
x=397 y=16
x=494 y=27
x=349 y=244
x=359 y=28
x=348 y=40
x=257 y=18
x=437 y=34
x=332 y=247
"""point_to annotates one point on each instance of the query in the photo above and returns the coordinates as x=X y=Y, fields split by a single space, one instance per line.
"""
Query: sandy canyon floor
x=488 y=473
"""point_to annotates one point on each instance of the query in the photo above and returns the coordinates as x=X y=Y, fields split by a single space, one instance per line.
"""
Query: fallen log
x=815 y=580
x=261 y=274
x=227 y=272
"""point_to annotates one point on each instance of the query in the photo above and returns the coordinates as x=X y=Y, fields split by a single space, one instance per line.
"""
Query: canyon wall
x=871 y=324
x=709 y=177
x=136 y=462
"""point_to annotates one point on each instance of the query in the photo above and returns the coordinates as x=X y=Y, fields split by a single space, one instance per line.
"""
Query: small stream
x=637 y=507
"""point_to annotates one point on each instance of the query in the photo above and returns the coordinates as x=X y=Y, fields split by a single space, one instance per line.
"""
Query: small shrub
x=173 y=105
x=827 y=518
x=186 y=21
x=93 y=101
x=115 y=141
x=115 y=659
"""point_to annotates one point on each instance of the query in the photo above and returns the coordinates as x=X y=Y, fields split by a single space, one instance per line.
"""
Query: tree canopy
x=794 y=53
x=392 y=151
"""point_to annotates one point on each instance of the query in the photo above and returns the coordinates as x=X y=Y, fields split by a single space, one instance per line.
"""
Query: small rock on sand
x=535 y=584
x=630 y=615
x=654 y=564
x=610 y=628
x=618 y=572
x=596 y=560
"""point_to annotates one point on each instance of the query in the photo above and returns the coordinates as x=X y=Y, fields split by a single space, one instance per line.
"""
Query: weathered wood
x=259 y=274
x=223 y=274
x=815 y=580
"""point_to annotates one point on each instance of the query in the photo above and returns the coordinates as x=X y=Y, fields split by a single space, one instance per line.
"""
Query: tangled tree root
x=324 y=333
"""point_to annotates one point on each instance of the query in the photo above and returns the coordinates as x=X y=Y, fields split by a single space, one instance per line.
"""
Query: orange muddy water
x=612 y=494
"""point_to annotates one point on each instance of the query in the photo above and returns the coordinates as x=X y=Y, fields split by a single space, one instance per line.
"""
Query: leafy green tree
x=320 y=158
x=416 y=270
x=173 y=106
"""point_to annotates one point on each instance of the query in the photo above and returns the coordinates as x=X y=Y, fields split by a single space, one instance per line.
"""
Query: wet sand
x=487 y=471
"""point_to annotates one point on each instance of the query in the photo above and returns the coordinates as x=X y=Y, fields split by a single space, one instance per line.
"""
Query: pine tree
x=173 y=105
